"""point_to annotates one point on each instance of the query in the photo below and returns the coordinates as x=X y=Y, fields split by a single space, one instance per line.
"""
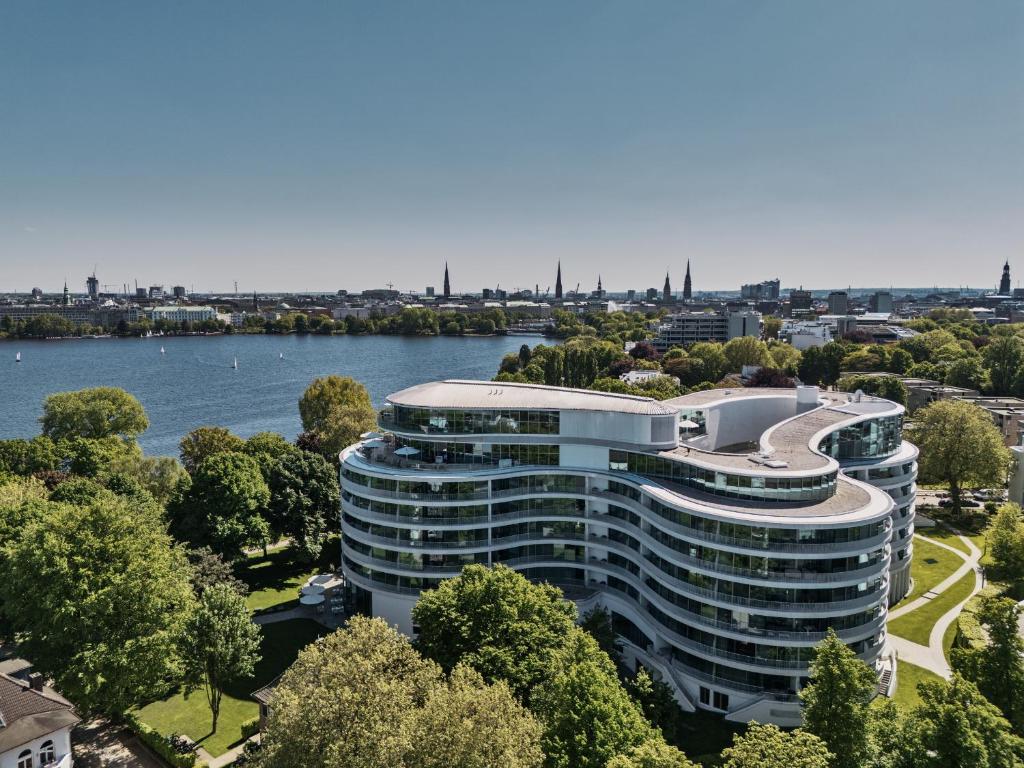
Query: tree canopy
x=768 y=746
x=100 y=596
x=93 y=413
x=336 y=410
x=961 y=446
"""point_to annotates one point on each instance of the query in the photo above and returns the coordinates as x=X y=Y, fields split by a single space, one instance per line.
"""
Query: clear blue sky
x=319 y=145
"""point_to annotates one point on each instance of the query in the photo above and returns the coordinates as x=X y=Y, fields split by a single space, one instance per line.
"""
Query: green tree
x=99 y=596
x=336 y=409
x=967 y=373
x=497 y=622
x=652 y=753
x=771 y=326
x=1003 y=357
x=210 y=569
x=345 y=702
x=836 y=700
x=304 y=501
x=221 y=645
x=745 y=350
x=998 y=668
x=956 y=727
x=26 y=457
x=888 y=387
x=465 y=723
x=768 y=746
x=222 y=507
x=92 y=457
x=598 y=622
x=961 y=446
x=900 y=361
x=713 y=359
x=1005 y=537
x=93 y=413
x=203 y=442
x=588 y=716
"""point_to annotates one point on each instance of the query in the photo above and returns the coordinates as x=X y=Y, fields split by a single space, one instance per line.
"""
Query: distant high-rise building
x=92 y=285
x=838 y=303
x=765 y=291
x=140 y=293
x=666 y=291
x=799 y=302
x=631 y=294
x=558 y=281
x=37 y=294
x=881 y=302
x=652 y=294
x=430 y=290
x=447 y=284
x=687 y=286
x=156 y=291
x=1004 y=282
x=179 y=291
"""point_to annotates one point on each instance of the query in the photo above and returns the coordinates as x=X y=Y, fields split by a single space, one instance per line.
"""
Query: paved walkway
x=228 y=757
x=932 y=657
x=99 y=744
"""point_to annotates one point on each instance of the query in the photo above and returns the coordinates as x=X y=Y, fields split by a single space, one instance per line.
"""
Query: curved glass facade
x=728 y=597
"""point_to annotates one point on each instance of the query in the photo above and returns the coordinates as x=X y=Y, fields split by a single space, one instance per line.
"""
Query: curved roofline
x=470 y=395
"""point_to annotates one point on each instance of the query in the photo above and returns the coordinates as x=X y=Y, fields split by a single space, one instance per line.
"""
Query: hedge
x=250 y=728
x=160 y=744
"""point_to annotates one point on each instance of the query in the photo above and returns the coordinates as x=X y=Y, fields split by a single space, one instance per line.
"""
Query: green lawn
x=946 y=536
x=907 y=678
x=916 y=626
x=931 y=565
x=274 y=580
x=176 y=714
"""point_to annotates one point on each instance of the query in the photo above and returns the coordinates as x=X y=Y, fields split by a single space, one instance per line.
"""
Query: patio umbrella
x=312 y=589
x=407 y=450
x=689 y=424
x=311 y=599
x=371 y=436
x=374 y=443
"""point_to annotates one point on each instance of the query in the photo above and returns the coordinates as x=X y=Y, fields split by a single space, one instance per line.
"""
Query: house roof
x=26 y=714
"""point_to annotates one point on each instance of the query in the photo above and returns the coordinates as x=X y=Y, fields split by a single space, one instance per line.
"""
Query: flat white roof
x=460 y=394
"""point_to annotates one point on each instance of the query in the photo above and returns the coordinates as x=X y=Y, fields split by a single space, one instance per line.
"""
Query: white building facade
x=726 y=531
x=35 y=725
x=178 y=314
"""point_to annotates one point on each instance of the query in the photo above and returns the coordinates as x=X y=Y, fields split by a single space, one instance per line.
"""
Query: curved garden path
x=932 y=657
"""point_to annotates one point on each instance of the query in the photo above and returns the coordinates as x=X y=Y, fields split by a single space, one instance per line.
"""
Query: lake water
x=193 y=383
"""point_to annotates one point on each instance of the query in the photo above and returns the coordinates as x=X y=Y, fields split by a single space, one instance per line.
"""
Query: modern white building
x=804 y=334
x=178 y=314
x=725 y=530
x=35 y=725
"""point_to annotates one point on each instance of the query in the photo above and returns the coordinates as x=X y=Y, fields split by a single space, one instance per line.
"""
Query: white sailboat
x=162 y=351
x=280 y=356
x=235 y=364
x=17 y=357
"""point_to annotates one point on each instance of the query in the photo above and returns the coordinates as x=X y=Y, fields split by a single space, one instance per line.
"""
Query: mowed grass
x=946 y=536
x=930 y=566
x=274 y=580
x=191 y=716
x=916 y=626
x=907 y=677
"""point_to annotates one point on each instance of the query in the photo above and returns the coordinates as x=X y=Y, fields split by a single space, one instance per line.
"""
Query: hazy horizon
x=314 y=146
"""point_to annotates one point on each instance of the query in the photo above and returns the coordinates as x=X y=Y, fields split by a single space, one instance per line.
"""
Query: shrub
x=250 y=728
x=161 y=745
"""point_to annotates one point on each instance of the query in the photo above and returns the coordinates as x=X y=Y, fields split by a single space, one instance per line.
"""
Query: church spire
x=1004 y=283
x=558 y=281
x=687 y=286
x=447 y=284
x=666 y=292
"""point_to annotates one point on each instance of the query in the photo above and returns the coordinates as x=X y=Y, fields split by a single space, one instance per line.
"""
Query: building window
x=25 y=759
x=705 y=696
x=47 y=754
x=721 y=701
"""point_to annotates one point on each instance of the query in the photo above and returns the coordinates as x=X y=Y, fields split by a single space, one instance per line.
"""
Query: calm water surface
x=193 y=383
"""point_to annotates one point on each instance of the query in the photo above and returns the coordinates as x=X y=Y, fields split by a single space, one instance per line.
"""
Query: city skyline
x=312 y=148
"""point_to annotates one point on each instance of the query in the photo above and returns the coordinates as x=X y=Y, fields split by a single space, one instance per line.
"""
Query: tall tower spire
x=447 y=284
x=666 y=292
x=1004 y=283
x=67 y=296
x=687 y=286
x=558 y=281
